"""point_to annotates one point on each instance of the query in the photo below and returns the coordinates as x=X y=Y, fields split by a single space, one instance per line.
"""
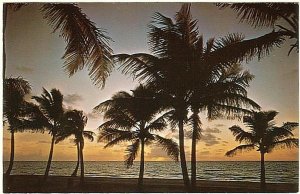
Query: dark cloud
x=210 y=139
x=6 y=139
x=72 y=99
x=24 y=69
x=225 y=141
x=211 y=130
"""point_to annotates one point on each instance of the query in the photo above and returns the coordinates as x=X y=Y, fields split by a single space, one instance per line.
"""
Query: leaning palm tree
x=263 y=136
x=73 y=123
x=14 y=105
x=270 y=15
x=49 y=115
x=133 y=118
x=87 y=45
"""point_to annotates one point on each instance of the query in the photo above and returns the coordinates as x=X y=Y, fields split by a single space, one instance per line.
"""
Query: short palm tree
x=48 y=115
x=14 y=105
x=133 y=118
x=263 y=136
x=269 y=15
x=73 y=123
x=87 y=45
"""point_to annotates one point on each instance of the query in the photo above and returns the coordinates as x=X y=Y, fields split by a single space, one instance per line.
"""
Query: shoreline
x=67 y=184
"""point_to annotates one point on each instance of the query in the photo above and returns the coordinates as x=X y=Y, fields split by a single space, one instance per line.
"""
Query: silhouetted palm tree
x=73 y=123
x=269 y=15
x=14 y=113
x=222 y=93
x=176 y=46
x=87 y=45
x=133 y=118
x=263 y=136
x=48 y=115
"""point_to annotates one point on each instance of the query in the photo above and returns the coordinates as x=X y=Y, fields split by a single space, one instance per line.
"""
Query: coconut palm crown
x=133 y=118
x=14 y=109
x=263 y=136
x=73 y=123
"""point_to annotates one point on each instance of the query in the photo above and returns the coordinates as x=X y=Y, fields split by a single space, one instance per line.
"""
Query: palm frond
x=240 y=148
x=241 y=135
x=89 y=135
x=87 y=45
x=261 y=14
x=169 y=146
x=286 y=143
x=245 y=50
x=114 y=135
x=132 y=151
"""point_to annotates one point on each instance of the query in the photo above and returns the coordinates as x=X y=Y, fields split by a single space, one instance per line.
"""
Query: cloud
x=210 y=139
x=6 y=139
x=72 y=99
x=92 y=116
x=47 y=142
x=24 y=69
x=204 y=153
x=211 y=130
x=219 y=125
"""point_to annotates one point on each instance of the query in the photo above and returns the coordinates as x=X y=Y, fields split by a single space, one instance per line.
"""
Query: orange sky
x=34 y=53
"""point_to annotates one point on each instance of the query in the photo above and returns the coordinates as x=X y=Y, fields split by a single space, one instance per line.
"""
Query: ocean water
x=276 y=172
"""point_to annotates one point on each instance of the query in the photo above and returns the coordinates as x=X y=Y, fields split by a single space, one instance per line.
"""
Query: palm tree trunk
x=49 y=159
x=182 y=156
x=81 y=165
x=78 y=159
x=262 y=172
x=4 y=38
x=141 y=175
x=193 y=160
x=12 y=153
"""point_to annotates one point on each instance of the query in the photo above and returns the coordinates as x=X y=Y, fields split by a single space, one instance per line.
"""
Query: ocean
x=276 y=172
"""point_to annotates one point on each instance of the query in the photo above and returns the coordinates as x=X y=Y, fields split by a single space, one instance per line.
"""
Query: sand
x=65 y=184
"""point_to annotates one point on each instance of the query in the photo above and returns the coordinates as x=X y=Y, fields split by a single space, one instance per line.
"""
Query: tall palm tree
x=270 y=15
x=263 y=136
x=222 y=94
x=177 y=49
x=14 y=106
x=73 y=123
x=133 y=118
x=87 y=46
x=48 y=115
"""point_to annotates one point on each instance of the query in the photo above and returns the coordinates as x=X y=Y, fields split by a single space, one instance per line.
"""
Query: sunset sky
x=34 y=53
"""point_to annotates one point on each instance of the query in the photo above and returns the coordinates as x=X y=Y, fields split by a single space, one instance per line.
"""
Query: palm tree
x=220 y=93
x=269 y=15
x=177 y=50
x=73 y=123
x=48 y=115
x=14 y=113
x=133 y=118
x=263 y=136
x=87 y=45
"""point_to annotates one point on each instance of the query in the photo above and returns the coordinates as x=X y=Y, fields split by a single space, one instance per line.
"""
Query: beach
x=67 y=184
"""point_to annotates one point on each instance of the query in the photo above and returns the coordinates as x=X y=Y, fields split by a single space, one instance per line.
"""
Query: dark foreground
x=64 y=184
